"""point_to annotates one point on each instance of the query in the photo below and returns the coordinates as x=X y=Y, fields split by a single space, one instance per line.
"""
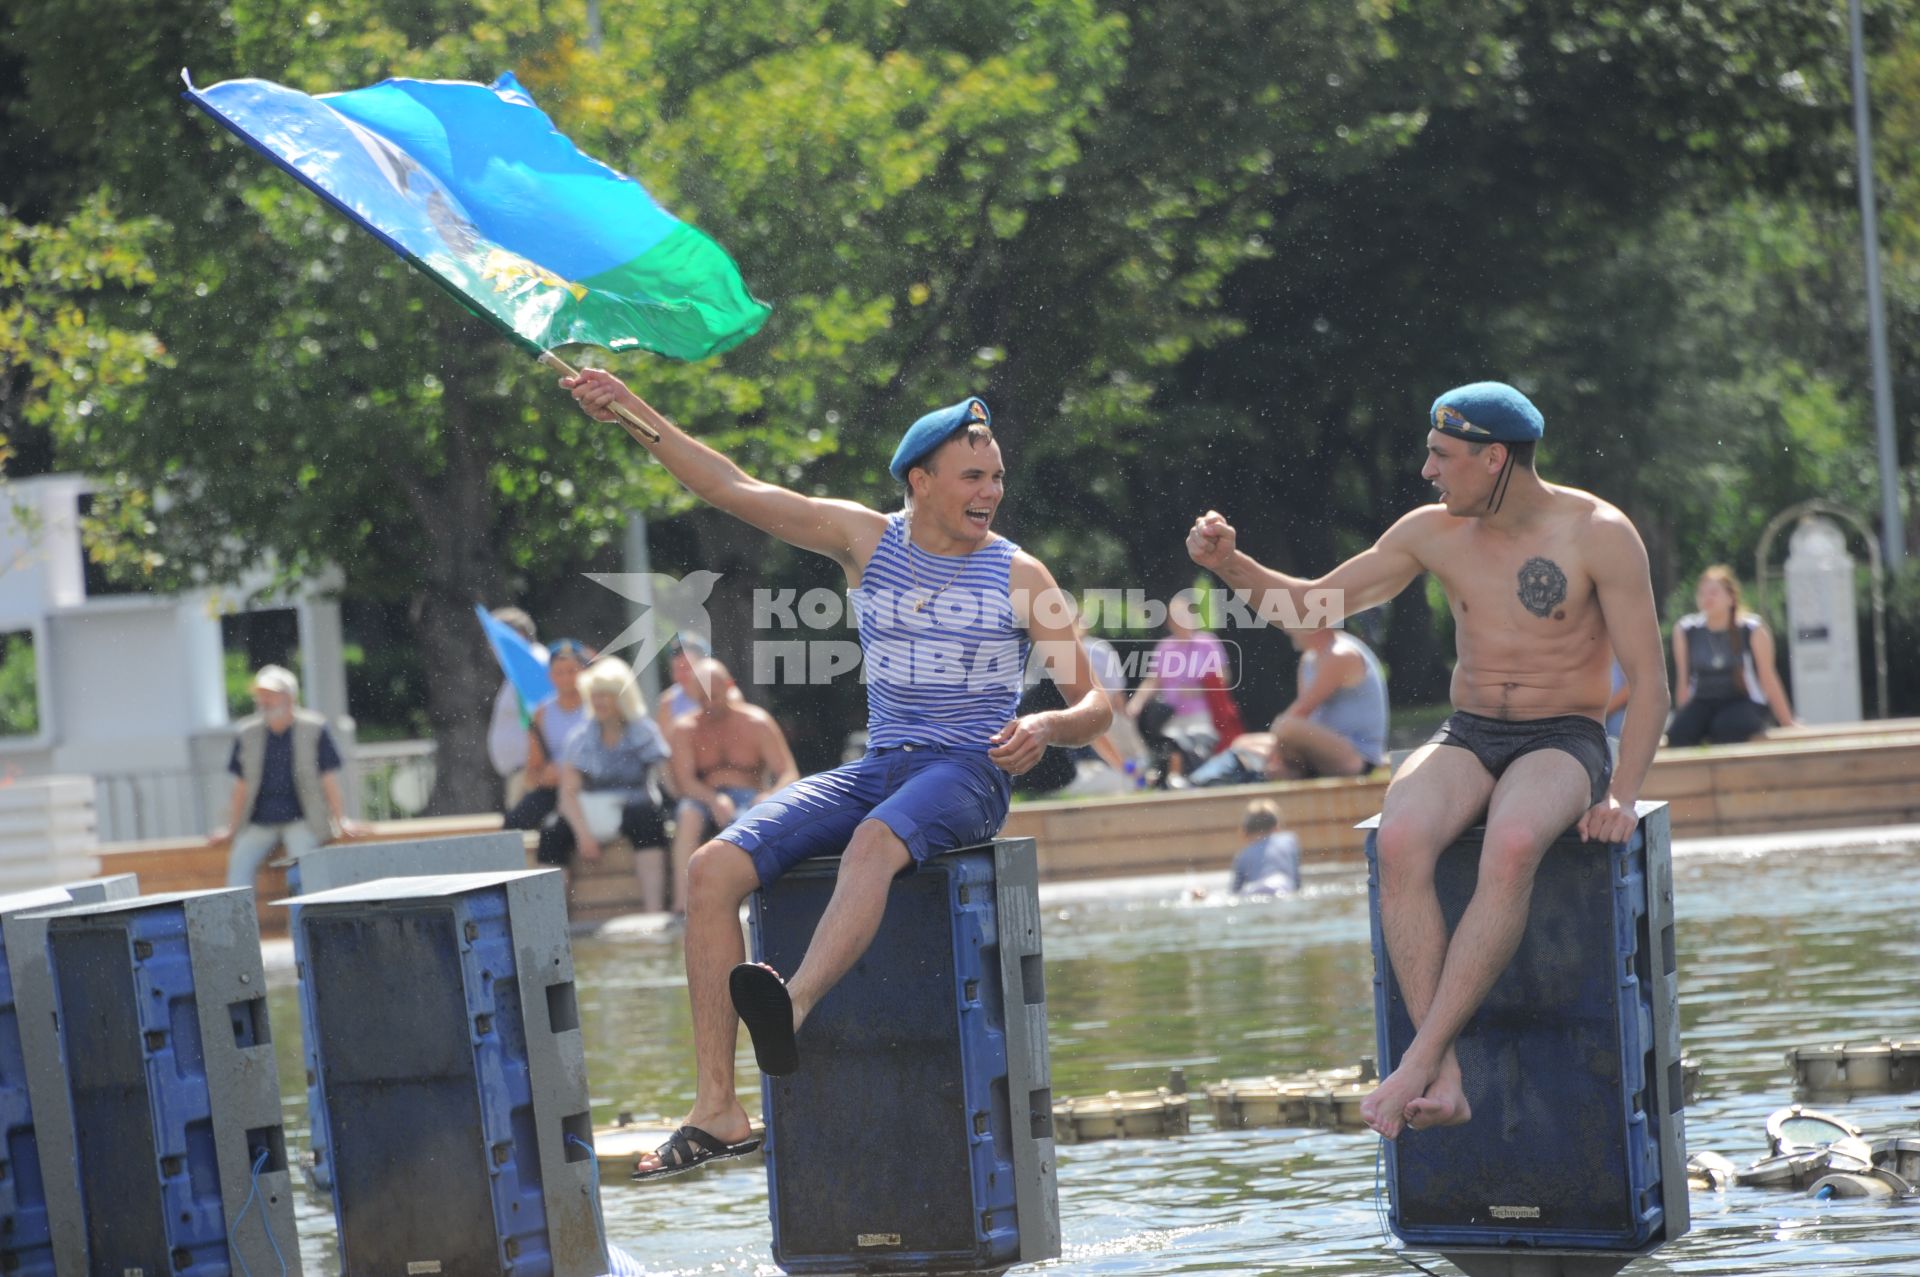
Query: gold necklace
x=921 y=606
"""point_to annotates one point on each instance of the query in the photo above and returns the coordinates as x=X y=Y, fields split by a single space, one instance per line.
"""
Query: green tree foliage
x=19 y=685
x=1218 y=253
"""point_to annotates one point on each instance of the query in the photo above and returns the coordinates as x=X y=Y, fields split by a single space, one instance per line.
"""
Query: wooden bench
x=1820 y=778
x=194 y=864
x=1864 y=774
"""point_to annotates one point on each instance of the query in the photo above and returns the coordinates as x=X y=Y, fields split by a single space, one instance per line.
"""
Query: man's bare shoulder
x=1030 y=581
x=1029 y=572
x=755 y=715
x=1600 y=517
x=1425 y=518
x=1419 y=526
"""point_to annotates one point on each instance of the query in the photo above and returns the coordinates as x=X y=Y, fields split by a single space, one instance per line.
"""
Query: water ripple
x=1787 y=949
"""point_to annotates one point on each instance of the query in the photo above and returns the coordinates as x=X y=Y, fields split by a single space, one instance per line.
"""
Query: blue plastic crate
x=26 y=1236
x=420 y=1088
x=892 y=1148
x=146 y=1163
x=1563 y=1150
x=26 y=1246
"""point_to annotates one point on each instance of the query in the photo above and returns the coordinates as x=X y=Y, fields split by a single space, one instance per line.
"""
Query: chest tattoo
x=1543 y=586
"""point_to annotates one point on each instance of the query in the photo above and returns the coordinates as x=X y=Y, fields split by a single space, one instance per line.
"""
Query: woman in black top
x=1723 y=662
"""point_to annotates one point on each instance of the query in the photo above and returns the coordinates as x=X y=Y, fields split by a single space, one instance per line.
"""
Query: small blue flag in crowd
x=522 y=661
x=473 y=185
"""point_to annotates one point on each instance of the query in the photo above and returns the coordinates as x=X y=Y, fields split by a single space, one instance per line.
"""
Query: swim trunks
x=694 y=809
x=934 y=799
x=1497 y=742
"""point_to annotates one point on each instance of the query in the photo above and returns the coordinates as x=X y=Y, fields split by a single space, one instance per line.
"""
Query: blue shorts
x=934 y=800
x=694 y=809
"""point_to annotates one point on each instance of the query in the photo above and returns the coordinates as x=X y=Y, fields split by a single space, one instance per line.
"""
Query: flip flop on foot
x=760 y=997
x=689 y=1147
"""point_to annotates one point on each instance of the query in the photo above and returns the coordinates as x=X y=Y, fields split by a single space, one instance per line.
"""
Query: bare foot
x=1444 y=1103
x=1386 y=1109
x=729 y=1125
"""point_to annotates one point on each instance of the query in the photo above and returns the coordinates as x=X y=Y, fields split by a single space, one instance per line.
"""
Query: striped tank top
x=942 y=656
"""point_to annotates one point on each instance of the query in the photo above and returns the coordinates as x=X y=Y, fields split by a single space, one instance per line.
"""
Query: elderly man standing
x=286 y=780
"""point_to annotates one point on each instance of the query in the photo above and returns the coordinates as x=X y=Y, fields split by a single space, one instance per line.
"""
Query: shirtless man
x=1547 y=585
x=727 y=756
x=948 y=609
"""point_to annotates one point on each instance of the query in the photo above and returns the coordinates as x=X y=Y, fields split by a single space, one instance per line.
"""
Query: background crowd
x=1207 y=254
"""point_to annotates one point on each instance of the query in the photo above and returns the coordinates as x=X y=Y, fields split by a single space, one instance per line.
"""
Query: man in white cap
x=286 y=780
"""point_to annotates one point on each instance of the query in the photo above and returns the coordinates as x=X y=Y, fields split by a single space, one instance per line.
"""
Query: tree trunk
x=737 y=552
x=462 y=567
x=462 y=678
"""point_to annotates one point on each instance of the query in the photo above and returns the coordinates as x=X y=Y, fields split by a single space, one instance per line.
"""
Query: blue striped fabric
x=621 y=1264
x=942 y=657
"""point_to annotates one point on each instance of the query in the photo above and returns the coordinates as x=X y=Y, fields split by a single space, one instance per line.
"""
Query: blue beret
x=928 y=433
x=1487 y=412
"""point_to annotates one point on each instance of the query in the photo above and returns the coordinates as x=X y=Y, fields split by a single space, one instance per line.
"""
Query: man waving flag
x=473 y=185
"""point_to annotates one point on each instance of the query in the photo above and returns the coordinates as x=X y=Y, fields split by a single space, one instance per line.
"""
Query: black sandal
x=689 y=1147
x=764 y=1006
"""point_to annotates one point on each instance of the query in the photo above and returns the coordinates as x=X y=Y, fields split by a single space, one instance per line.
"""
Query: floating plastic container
x=940 y=1028
x=1710 y=1172
x=26 y=1244
x=1121 y=1115
x=1798 y=1128
x=1241 y=1104
x=1847 y=1184
x=1845 y=1070
x=1572 y=1064
x=1802 y=1169
x=443 y=1035
x=1328 y=1098
x=150 y=1065
x=1901 y=1156
x=1338 y=1109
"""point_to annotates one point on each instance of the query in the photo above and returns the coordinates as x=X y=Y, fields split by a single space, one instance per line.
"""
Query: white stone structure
x=1823 y=638
x=131 y=686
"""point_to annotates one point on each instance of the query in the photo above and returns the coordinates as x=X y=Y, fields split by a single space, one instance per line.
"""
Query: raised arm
x=1618 y=561
x=843 y=531
x=1366 y=580
x=1047 y=614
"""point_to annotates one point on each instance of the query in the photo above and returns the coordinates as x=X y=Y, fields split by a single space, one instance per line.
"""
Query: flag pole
x=640 y=430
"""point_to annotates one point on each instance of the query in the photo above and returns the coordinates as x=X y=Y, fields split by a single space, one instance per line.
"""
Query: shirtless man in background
x=1547 y=585
x=727 y=755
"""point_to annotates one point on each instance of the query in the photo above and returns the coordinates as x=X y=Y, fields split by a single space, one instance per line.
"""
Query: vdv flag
x=524 y=663
x=473 y=185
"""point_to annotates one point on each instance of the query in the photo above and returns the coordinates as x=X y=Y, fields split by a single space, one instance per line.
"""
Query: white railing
x=385 y=780
x=390 y=780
